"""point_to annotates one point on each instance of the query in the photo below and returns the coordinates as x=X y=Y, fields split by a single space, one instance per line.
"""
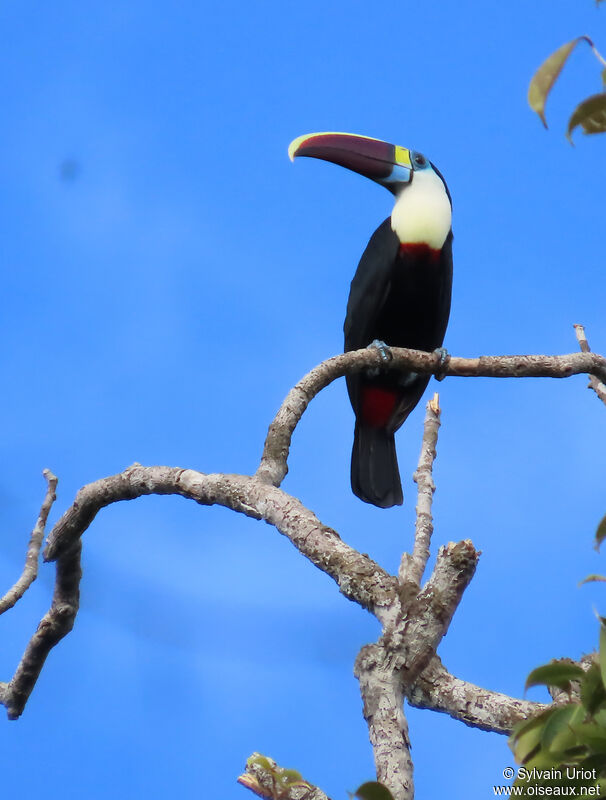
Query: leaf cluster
x=276 y=782
x=590 y=114
x=565 y=746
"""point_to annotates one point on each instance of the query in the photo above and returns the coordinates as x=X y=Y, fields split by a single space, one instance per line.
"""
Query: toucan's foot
x=385 y=354
x=383 y=349
x=444 y=357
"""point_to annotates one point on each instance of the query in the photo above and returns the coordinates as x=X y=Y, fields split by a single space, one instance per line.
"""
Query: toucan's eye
x=419 y=160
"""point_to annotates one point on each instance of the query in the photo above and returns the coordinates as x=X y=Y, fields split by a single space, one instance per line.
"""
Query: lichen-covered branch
x=436 y=689
x=383 y=698
x=387 y=669
x=425 y=623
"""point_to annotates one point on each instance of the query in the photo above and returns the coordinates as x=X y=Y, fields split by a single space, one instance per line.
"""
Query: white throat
x=422 y=213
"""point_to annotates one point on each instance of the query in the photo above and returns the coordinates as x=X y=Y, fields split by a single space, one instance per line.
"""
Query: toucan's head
x=422 y=212
x=388 y=164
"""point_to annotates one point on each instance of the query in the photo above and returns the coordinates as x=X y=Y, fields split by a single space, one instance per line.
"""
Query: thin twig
x=413 y=566
x=30 y=570
x=597 y=53
x=594 y=383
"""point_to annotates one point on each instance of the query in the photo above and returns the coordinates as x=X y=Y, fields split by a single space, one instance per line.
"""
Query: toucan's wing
x=370 y=286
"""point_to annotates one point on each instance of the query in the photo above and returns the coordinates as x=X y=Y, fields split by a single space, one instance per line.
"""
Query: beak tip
x=294 y=146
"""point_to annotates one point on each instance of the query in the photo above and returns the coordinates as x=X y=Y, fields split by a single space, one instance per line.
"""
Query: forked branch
x=414 y=617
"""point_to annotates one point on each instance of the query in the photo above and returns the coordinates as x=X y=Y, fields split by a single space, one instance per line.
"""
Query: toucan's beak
x=387 y=164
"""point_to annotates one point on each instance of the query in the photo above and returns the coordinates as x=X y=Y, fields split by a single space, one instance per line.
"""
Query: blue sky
x=158 y=306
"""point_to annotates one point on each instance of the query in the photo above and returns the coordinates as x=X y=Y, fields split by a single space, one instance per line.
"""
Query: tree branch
x=56 y=623
x=383 y=699
x=30 y=570
x=403 y=661
x=594 y=383
x=273 y=467
x=385 y=669
x=426 y=621
x=359 y=578
x=436 y=689
x=413 y=566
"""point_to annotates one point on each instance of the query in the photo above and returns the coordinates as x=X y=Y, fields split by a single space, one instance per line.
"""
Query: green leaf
x=604 y=77
x=591 y=116
x=592 y=735
x=373 y=791
x=558 y=674
x=258 y=760
x=576 y=754
x=600 y=534
x=600 y=717
x=593 y=692
x=525 y=741
x=546 y=75
x=287 y=778
x=557 y=733
x=597 y=762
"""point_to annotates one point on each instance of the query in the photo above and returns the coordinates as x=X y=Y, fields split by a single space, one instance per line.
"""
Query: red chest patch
x=420 y=252
x=378 y=405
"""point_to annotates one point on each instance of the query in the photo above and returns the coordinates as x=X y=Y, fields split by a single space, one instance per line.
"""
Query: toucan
x=399 y=297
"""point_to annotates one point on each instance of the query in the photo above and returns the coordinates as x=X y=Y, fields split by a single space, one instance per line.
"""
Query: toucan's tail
x=375 y=477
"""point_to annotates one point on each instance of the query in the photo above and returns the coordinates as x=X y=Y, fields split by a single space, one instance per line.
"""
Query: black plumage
x=400 y=295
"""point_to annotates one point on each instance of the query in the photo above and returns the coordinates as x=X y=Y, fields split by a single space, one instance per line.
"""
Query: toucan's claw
x=384 y=353
x=444 y=357
x=383 y=349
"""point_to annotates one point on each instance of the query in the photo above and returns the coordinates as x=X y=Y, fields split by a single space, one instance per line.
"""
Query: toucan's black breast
x=400 y=296
x=416 y=306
